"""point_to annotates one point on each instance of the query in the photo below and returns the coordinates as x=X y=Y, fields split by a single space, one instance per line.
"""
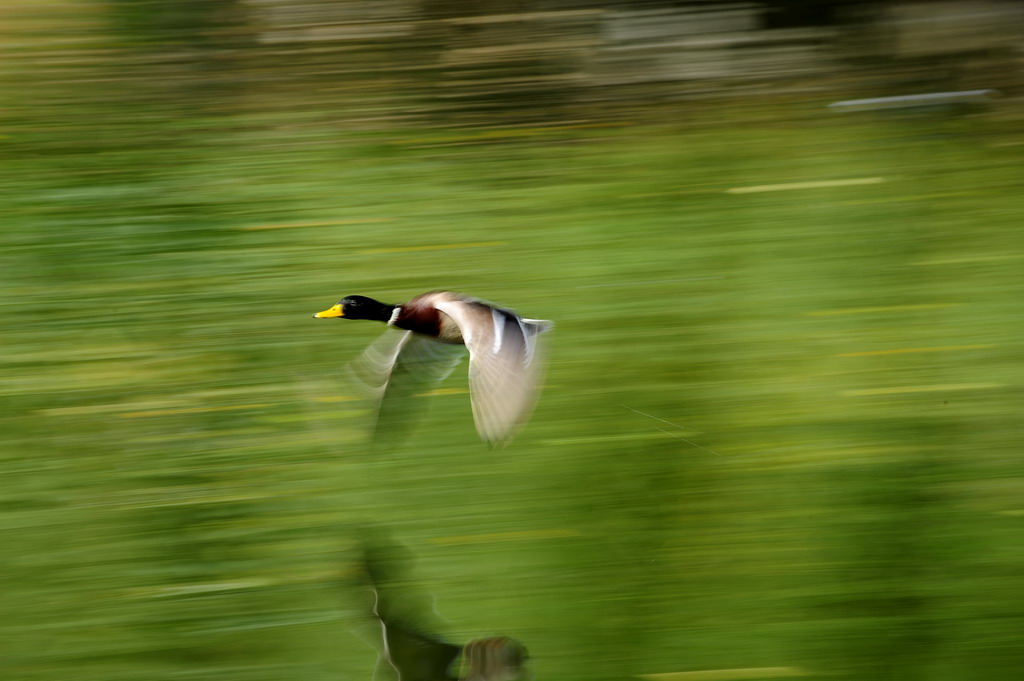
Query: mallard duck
x=504 y=362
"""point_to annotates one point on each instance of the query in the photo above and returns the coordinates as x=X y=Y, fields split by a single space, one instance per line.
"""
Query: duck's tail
x=539 y=325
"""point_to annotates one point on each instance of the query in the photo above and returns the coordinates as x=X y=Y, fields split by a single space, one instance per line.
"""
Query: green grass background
x=182 y=476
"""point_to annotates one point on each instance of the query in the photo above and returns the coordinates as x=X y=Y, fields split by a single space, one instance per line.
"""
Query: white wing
x=505 y=365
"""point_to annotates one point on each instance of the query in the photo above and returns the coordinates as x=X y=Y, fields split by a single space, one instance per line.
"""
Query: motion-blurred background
x=781 y=430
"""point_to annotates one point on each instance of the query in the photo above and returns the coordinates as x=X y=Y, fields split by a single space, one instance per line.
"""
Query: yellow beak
x=334 y=311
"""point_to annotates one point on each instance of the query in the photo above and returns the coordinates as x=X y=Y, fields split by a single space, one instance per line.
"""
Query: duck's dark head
x=358 y=307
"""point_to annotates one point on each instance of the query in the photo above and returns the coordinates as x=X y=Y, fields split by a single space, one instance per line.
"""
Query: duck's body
x=423 y=314
x=504 y=368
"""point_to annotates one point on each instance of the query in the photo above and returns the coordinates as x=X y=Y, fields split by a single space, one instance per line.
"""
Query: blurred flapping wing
x=395 y=371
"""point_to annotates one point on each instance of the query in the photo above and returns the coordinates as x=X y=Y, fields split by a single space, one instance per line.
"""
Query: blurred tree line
x=380 y=63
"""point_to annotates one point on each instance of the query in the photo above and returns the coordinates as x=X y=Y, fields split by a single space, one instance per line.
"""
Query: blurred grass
x=181 y=474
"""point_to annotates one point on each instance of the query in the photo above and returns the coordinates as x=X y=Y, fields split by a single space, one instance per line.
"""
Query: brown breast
x=420 y=316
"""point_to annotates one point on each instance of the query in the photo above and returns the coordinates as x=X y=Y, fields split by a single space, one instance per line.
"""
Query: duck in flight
x=437 y=329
